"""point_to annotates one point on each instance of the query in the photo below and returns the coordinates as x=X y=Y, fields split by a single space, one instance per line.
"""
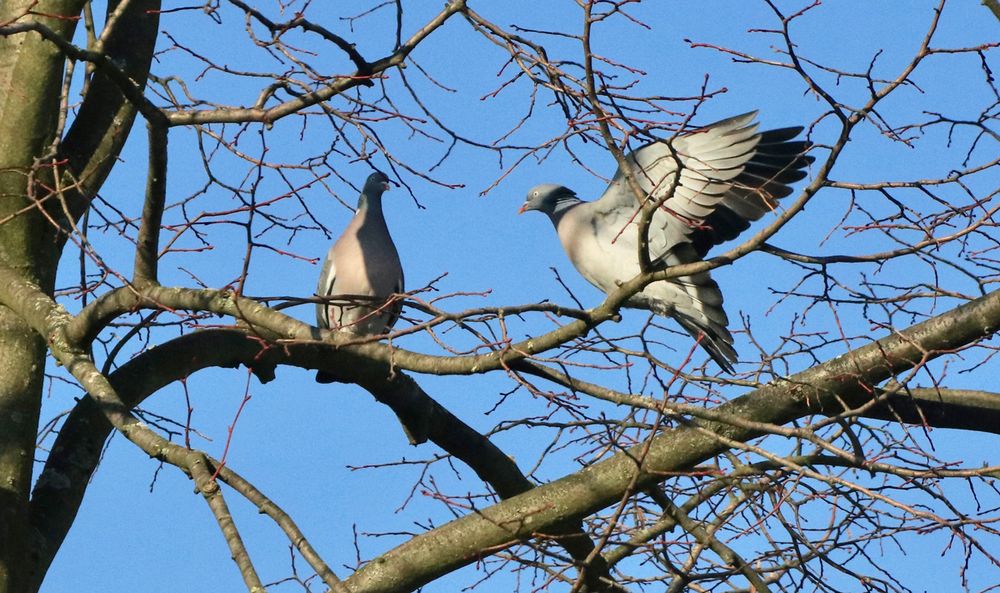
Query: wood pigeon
x=362 y=263
x=716 y=180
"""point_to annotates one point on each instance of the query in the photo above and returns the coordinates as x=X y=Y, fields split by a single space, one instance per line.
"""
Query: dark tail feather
x=780 y=135
x=324 y=377
x=717 y=341
x=695 y=302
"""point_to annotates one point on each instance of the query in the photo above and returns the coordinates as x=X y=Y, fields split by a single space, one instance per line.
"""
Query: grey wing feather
x=719 y=179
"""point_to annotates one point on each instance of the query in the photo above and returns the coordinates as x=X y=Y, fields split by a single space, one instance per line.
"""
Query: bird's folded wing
x=325 y=288
x=397 y=307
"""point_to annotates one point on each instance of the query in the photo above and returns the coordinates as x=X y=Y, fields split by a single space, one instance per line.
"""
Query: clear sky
x=142 y=529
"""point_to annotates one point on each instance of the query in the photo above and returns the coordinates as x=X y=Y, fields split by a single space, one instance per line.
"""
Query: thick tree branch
x=845 y=380
x=76 y=451
x=270 y=323
x=994 y=7
x=962 y=409
x=108 y=111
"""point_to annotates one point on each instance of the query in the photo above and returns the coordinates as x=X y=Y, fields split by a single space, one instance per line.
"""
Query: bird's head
x=546 y=197
x=376 y=184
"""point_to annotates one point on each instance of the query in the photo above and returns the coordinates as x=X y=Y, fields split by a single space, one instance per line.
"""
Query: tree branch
x=76 y=451
x=845 y=380
x=547 y=507
x=148 y=243
x=260 y=114
x=212 y=493
x=994 y=7
x=108 y=111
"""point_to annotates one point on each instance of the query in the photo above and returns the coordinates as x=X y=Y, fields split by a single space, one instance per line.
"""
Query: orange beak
x=523 y=208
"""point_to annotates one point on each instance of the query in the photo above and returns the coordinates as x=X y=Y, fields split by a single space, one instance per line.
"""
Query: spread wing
x=777 y=163
x=713 y=181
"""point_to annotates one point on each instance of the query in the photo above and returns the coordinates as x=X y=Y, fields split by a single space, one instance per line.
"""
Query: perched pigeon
x=716 y=180
x=363 y=262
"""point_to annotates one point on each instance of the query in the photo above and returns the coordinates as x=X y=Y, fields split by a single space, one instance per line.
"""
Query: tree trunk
x=45 y=186
x=31 y=73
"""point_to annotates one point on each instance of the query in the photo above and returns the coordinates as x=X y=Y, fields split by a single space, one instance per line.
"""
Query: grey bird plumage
x=363 y=262
x=716 y=180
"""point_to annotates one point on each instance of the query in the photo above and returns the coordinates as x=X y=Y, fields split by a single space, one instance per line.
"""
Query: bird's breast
x=604 y=261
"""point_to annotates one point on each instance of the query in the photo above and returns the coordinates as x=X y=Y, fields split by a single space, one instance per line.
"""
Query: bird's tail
x=713 y=338
x=696 y=303
x=324 y=377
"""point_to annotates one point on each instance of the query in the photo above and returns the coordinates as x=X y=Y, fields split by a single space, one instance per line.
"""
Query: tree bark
x=31 y=71
x=841 y=383
x=45 y=186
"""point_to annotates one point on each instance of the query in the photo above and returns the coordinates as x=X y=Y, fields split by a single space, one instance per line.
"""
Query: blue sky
x=297 y=441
